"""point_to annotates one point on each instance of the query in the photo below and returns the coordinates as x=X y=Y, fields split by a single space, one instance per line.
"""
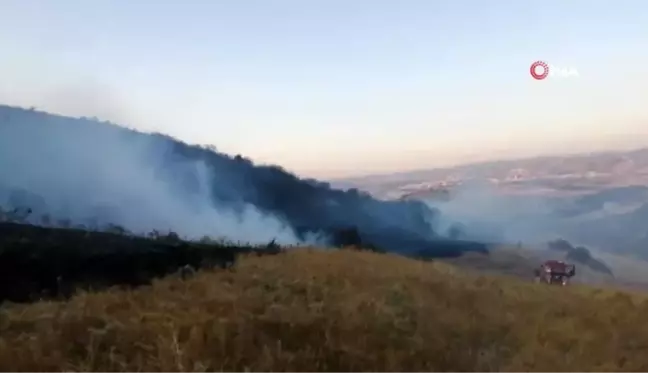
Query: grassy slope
x=331 y=310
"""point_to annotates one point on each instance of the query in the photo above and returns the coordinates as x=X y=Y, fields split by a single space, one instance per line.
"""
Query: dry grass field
x=337 y=310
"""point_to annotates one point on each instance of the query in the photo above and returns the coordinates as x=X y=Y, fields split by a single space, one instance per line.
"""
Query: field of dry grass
x=339 y=310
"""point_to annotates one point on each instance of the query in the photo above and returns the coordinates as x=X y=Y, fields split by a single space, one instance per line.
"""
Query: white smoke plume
x=86 y=171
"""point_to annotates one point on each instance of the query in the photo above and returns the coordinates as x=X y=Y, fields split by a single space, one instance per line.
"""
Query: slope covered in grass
x=338 y=310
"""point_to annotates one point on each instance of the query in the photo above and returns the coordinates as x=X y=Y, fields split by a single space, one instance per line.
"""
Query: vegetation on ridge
x=113 y=182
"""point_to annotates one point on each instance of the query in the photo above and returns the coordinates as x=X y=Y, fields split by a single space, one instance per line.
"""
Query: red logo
x=539 y=70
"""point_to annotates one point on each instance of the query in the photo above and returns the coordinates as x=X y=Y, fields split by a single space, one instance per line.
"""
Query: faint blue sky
x=331 y=87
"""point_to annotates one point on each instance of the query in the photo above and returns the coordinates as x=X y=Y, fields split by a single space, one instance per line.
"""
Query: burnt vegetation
x=39 y=262
x=54 y=262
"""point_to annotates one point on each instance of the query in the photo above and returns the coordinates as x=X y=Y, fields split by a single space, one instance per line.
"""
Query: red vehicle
x=555 y=272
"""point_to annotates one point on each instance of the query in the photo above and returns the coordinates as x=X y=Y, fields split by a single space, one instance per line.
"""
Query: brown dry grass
x=331 y=311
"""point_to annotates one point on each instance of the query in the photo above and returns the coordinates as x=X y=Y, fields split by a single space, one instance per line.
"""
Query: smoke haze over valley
x=597 y=199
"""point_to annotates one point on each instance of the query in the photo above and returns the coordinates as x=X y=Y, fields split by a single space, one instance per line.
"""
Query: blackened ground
x=38 y=262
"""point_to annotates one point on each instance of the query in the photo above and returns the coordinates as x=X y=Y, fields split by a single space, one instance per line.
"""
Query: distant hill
x=574 y=173
x=597 y=162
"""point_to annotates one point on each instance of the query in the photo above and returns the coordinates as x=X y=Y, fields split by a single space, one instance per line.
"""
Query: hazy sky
x=331 y=87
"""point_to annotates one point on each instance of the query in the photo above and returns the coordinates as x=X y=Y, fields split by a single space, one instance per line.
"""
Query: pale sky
x=330 y=88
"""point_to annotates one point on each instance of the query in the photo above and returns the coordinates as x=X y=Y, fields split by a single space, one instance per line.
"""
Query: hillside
x=39 y=261
x=84 y=172
x=341 y=310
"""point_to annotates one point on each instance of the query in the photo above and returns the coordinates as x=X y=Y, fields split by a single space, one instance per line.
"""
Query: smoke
x=488 y=215
x=92 y=172
x=96 y=173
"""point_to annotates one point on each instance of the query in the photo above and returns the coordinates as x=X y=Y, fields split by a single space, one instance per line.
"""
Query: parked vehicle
x=555 y=272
